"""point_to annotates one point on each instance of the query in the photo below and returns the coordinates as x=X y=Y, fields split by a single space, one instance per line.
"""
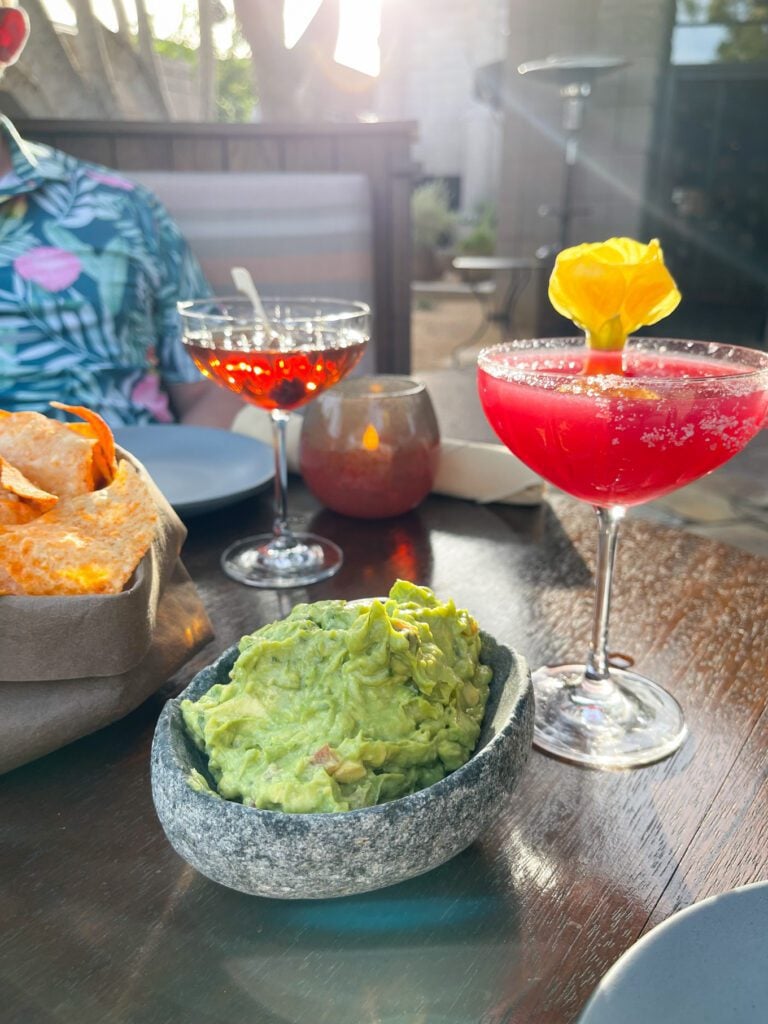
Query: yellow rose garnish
x=611 y=288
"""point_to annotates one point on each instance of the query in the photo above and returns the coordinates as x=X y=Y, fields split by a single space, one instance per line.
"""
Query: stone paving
x=441 y=328
x=730 y=505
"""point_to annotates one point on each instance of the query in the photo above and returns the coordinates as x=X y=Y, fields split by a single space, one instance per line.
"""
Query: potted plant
x=479 y=241
x=434 y=224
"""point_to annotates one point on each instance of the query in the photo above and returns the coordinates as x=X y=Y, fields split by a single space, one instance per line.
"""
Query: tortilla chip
x=20 y=500
x=48 y=453
x=104 y=457
x=14 y=512
x=88 y=544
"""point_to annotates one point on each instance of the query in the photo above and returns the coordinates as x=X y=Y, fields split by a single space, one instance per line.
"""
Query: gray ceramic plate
x=199 y=469
x=707 y=964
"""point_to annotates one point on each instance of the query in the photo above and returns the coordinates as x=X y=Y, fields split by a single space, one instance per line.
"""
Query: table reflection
x=397 y=954
x=377 y=552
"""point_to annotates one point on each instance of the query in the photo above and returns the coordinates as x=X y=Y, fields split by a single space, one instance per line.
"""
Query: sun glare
x=297 y=15
x=166 y=15
x=357 y=45
x=60 y=12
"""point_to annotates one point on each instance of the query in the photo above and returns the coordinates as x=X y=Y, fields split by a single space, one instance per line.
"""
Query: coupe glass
x=303 y=347
x=617 y=429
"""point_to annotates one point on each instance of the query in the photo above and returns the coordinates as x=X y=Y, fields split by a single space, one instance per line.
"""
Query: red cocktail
x=303 y=347
x=657 y=415
x=648 y=424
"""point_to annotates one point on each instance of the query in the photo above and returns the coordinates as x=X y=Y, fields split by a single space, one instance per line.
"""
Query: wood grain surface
x=103 y=924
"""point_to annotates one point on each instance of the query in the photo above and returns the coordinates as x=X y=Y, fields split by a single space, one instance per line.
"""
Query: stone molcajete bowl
x=301 y=856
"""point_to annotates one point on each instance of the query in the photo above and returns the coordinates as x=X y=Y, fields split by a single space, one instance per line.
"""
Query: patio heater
x=575 y=77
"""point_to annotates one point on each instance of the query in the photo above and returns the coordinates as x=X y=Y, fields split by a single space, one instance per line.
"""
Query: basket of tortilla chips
x=96 y=608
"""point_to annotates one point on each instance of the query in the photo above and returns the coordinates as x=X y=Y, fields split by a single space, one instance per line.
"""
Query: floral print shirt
x=91 y=268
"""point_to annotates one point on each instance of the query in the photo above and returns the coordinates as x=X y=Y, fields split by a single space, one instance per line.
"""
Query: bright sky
x=357 y=46
x=167 y=16
x=359 y=22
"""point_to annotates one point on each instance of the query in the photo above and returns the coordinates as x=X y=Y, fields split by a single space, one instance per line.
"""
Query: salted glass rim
x=340 y=310
x=756 y=364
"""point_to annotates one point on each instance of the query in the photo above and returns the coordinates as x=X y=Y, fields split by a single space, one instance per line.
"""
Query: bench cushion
x=298 y=234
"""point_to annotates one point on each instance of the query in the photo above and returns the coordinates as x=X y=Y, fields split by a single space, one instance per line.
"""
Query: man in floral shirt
x=91 y=269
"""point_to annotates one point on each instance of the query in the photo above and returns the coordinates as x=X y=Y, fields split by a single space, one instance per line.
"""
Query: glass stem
x=597 y=678
x=280 y=528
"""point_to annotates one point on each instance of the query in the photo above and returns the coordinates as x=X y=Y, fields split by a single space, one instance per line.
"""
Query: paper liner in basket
x=72 y=665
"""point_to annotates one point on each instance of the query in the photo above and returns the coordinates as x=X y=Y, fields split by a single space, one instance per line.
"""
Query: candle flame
x=370 y=438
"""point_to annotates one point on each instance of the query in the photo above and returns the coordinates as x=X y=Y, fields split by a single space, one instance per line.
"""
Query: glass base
x=631 y=723
x=265 y=562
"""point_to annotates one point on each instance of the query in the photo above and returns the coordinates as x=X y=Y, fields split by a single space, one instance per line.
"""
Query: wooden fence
x=381 y=152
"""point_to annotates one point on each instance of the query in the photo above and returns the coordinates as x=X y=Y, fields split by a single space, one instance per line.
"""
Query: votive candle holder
x=370 y=447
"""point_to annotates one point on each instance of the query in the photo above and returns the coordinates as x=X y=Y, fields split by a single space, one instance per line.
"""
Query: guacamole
x=343 y=705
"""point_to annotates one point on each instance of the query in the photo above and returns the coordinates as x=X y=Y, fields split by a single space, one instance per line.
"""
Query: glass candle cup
x=370 y=447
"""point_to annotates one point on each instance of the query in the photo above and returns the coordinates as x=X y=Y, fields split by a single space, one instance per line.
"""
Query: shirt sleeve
x=179 y=277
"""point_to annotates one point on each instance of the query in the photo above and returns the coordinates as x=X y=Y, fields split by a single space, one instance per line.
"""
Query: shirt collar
x=32 y=163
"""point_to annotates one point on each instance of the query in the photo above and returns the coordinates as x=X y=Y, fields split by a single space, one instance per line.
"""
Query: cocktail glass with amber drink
x=616 y=427
x=280 y=363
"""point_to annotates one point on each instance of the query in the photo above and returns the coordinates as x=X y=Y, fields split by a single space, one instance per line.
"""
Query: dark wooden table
x=103 y=924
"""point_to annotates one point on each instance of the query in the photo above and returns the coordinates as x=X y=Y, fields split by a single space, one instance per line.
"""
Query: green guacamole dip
x=344 y=705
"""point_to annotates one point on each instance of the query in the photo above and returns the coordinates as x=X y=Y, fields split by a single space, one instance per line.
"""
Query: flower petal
x=611 y=288
x=651 y=295
x=587 y=291
x=52 y=268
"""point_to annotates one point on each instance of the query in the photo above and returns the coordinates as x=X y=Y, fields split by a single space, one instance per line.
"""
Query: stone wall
x=610 y=178
x=431 y=51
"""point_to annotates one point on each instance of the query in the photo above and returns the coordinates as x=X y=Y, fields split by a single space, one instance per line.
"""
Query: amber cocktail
x=280 y=363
